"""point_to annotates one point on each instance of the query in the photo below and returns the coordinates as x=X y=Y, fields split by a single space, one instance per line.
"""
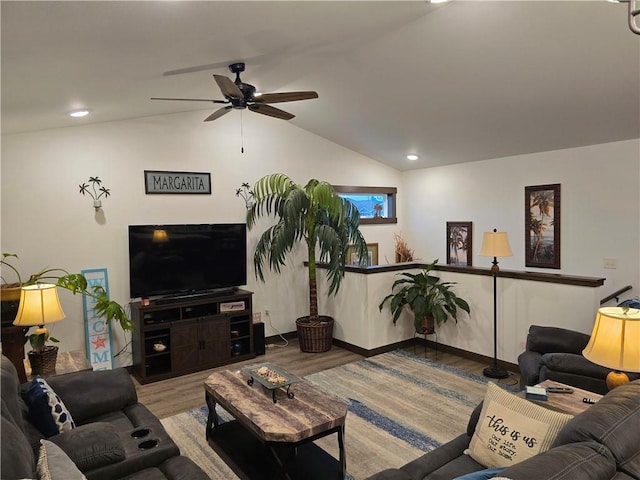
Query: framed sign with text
x=177 y=182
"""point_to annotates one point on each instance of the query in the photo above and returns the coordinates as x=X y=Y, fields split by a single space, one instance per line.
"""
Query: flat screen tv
x=186 y=259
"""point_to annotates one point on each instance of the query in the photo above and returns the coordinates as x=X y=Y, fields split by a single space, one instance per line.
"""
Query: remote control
x=559 y=390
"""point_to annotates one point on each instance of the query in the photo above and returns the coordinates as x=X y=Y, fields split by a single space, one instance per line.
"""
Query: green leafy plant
x=314 y=214
x=39 y=338
x=426 y=296
x=76 y=283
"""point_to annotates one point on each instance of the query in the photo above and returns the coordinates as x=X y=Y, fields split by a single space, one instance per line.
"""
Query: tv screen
x=185 y=259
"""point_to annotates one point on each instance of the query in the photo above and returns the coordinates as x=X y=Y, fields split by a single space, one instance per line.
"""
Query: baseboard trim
x=418 y=341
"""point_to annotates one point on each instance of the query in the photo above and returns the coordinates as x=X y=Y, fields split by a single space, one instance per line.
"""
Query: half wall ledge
x=520 y=275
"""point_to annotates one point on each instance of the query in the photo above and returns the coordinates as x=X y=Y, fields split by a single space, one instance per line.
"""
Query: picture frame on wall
x=459 y=244
x=372 y=258
x=542 y=226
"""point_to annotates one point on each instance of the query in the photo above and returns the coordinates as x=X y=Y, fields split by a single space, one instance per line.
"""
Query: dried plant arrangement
x=402 y=250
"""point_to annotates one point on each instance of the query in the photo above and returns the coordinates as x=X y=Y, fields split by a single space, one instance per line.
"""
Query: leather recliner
x=554 y=353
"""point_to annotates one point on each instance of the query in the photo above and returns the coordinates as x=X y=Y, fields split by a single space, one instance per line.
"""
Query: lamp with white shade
x=39 y=306
x=615 y=343
x=495 y=244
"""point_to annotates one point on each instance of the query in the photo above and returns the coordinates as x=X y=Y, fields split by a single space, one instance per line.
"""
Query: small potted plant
x=42 y=357
x=432 y=302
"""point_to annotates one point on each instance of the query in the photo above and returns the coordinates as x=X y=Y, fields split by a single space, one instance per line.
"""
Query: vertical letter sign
x=97 y=331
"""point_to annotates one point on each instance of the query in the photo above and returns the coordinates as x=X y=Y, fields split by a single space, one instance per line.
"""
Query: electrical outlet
x=257 y=317
x=523 y=345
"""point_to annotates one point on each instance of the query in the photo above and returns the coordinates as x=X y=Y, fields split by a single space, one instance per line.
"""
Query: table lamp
x=39 y=306
x=615 y=343
x=495 y=244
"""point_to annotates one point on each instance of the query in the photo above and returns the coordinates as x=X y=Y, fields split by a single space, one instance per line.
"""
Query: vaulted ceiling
x=454 y=82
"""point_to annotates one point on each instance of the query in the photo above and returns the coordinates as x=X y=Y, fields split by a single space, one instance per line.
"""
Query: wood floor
x=169 y=397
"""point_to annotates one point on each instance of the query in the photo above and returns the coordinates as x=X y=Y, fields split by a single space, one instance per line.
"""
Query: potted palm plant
x=432 y=302
x=316 y=215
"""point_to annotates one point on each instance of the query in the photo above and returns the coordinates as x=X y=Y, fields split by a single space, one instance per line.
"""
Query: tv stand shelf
x=173 y=337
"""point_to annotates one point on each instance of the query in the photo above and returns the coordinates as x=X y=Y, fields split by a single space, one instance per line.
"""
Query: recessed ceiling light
x=412 y=156
x=438 y=1
x=79 y=113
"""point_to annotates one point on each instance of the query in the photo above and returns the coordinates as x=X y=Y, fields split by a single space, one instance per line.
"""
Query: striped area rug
x=400 y=406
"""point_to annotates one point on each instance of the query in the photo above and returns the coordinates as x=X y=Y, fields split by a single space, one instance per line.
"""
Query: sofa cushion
x=54 y=464
x=553 y=339
x=512 y=429
x=46 y=409
x=610 y=422
x=92 y=446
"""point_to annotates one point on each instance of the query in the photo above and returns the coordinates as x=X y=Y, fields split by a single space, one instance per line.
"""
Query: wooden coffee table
x=276 y=420
x=567 y=402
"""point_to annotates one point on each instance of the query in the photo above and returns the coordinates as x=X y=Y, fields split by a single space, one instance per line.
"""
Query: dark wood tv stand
x=197 y=333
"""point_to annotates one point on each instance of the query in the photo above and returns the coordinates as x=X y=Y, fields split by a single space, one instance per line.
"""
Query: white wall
x=48 y=223
x=600 y=212
x=520 y=303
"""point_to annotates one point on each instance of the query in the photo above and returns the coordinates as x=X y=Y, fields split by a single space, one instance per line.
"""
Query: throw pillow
x=54 y=464
x=512 y=429
x=46 y=409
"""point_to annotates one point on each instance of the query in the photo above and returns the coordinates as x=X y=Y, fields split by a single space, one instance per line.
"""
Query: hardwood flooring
x=169 y=397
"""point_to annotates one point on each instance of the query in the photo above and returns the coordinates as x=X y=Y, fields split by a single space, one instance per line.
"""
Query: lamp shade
x=615 y=340
x=495 y=244
x=39 y=304
x=160 y=236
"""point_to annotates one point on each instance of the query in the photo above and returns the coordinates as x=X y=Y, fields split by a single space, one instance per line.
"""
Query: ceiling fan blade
x=196 y=68
x=218 y=113
x=271 y=111
x=191 y=99
x=285 y=97
x=228 y=88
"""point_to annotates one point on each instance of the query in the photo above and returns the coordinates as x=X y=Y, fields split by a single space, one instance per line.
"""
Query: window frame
x=389 y=192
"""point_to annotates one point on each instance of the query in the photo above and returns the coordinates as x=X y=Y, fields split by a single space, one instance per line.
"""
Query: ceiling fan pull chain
x=241 y=134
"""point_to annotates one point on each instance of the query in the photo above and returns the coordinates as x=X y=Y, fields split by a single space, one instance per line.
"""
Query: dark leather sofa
x=602 y=443
x=103 y=446
x=554 y=353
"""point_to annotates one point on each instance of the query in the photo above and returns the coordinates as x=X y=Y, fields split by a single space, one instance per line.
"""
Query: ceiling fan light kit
x=239 y=96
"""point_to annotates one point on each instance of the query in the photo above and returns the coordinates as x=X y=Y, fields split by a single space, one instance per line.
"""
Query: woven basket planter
x=43 y=363
x=315 y=337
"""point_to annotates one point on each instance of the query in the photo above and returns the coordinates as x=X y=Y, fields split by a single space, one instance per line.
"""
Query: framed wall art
x=459 y=243
x=542 y=226
x=352 y=256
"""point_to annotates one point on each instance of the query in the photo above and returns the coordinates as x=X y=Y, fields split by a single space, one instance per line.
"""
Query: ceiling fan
x=240 y=95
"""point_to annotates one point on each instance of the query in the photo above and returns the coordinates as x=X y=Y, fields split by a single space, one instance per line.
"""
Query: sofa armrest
x=530 y=363
x=574 y=364
x=91 y=446
x=584 y=461
x=438 y=458
x=90 y=394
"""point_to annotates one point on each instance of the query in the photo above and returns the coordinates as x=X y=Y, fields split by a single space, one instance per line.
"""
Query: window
x=375 y=204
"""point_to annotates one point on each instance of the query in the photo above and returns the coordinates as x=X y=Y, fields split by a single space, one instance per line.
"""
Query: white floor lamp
x=495 y=244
